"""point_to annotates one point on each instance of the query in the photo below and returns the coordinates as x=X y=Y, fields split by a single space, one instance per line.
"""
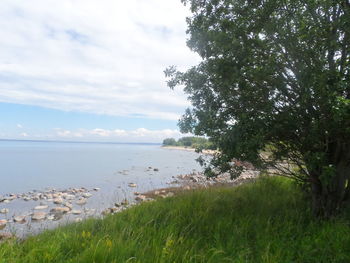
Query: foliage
x=274 y=74
x=199 y=143
x=265 y=221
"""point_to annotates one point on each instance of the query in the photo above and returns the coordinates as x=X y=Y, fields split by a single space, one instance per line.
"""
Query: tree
x=273 y=88
x=169 y=141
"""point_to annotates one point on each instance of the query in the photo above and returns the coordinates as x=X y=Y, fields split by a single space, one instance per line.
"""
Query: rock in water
x=41 y=207
x=132 y=185
x=76 y=212
x=37 y=216
x=3 y=223
x=60 y=210
x=4 y=211
x=58 y=201
x=19 y=219
x=81 y=201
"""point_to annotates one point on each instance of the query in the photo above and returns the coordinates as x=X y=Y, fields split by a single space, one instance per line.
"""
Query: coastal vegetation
x=266 y=220
x=274 y=74
x=191 y=142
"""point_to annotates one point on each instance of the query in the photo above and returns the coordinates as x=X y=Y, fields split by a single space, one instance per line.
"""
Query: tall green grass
x=265 y=221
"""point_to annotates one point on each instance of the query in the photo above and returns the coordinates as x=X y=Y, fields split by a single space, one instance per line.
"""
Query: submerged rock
x=59 y=210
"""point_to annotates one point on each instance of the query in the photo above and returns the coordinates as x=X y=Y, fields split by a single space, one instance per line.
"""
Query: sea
x=38 y=166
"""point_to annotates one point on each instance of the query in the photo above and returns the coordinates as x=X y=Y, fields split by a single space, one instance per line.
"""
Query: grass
x=265 y=221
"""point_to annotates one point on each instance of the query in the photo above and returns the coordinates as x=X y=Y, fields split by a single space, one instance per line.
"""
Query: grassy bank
x=265 y=221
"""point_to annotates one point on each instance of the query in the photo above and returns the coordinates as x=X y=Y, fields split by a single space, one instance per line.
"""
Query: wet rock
x=96 y=189
x=3 y=223
x=19 y=219
x=156 y=169
x=137 y=193
x=38 y=216
x=4 y=211
x=132 y=185
x=58 y=201
x=50 y=217
x=41 y=207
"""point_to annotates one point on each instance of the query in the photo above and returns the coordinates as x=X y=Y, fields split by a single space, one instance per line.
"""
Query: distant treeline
x=192 y=142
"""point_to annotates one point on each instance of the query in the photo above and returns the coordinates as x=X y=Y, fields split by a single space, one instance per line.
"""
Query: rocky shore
x=54 y=205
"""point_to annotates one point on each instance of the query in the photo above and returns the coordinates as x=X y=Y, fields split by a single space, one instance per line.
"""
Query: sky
x=91 y=69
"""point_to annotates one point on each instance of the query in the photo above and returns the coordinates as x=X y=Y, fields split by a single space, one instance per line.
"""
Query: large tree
x=273 y=88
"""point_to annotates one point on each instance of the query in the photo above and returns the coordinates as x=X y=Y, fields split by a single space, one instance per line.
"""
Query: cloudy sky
x=91 y=69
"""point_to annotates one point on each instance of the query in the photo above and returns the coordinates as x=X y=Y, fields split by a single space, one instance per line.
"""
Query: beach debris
x=132 y=185
x=3 y=223
x=19 y=219
x=41 y=207
x=38 y=216
x=4 y=211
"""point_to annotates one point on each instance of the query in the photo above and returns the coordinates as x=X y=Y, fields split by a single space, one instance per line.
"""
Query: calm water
x=26 y=166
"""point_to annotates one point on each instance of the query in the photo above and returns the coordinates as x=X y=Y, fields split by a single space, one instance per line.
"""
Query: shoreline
x=188 y=149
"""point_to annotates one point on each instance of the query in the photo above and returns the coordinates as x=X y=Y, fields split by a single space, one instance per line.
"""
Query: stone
x=27 y=198
x=96 y=189
x=78 y=219
x=132 y=185
x=156 y=169
x=58 y=201
x=59 y=210
x=140 y=198
x=19 y=219
x=3 y=223
x=38 y=216
x=81 y=201
x=76 y=212
x=124 y=202
x=4 y=211
x=69 y=205
x=86 y=195
x=41 y=207
x=5 y=236
x=70 y=197
x=50 y=217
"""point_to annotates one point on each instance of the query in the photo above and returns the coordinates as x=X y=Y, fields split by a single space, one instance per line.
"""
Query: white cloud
x=19 y=126
x=24 y=134
x=137 y=135
x=98 y=56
